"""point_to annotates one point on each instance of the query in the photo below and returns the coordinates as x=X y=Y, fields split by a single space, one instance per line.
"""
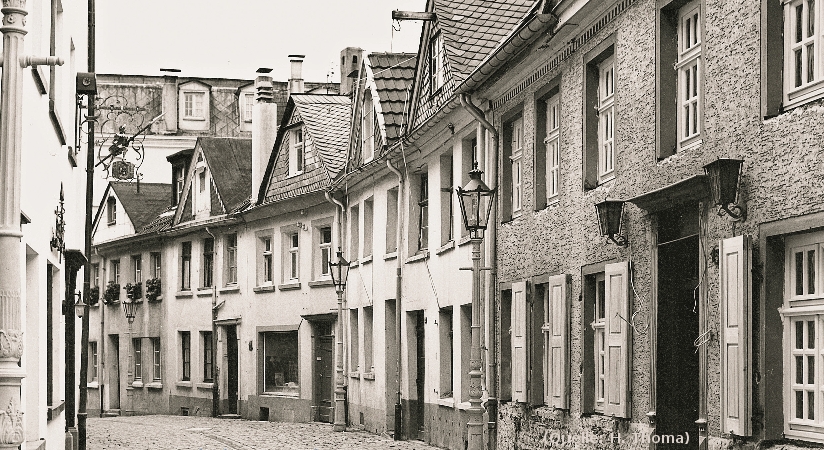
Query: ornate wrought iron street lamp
x=340 y=272
x=610 y=213
x=723 y=176
x=129 y=307
x=476 y=200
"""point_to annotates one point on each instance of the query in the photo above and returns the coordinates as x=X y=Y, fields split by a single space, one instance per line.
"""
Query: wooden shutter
x=736 y=352
x=556 y=378
x=519 y=393
x=617 y=337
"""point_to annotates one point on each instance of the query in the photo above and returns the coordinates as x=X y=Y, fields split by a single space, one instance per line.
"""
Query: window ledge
x=194 y=119
x=205 y=385
x=259 y=289
x=229 y=289
x=183 y=294
x=186 y=384
x=204 y=292
x=320 y=283
x=464 y=240
x=154 y=385
x=289 y=286
x=388 y=256
x=417 y=257
x=446 y=247
x=448 y=402
x=691 y=144
x=354 y=374
x=368 y=376
x=464 y=406
x=354 y=263
x=556 y=200
x=93 y=385
x=366 y=259
x=54 y=411
x=280 y=394
x=137 y=384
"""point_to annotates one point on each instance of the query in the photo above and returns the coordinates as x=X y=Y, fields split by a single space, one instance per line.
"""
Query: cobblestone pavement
x=206 y=433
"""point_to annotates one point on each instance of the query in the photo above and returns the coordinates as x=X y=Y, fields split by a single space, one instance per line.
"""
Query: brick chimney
x=296 y=79
x=350 y=62
x=264 y=127
x=169 y=101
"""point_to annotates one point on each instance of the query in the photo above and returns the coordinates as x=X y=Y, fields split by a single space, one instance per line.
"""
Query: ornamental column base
x=340 y=412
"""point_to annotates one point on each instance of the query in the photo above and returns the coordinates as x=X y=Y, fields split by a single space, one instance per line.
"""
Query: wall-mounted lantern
x=610 y=213
x=80 y=306
x=723 y=175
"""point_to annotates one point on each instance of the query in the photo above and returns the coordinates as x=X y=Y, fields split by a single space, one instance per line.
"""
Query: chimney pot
x=296 y=80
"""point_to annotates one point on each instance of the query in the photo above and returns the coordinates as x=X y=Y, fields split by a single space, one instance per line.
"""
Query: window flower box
x=153 y=286
x=112 y=293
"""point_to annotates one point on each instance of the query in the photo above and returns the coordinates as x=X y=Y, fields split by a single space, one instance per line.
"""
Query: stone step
x=229 y=416
x=111 y=413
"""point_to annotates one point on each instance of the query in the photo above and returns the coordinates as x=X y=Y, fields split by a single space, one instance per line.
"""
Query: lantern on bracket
x=723 y=174
x=610 y=213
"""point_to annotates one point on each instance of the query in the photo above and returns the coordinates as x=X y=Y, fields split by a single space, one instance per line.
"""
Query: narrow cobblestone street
x=206 y=433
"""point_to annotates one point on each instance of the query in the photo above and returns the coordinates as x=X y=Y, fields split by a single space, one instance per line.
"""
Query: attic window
x=193 y=105
x=111 y=210
x=437 y=75
x=296 y=151
x=367 y=128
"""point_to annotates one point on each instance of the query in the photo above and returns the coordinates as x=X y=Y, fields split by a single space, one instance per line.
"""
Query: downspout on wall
x=215 y=381
x=491 y=255
x=340 y=209
x=398 y=295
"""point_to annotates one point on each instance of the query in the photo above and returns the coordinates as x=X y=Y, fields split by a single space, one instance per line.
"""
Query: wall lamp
x=610 y=213
x=723 y=176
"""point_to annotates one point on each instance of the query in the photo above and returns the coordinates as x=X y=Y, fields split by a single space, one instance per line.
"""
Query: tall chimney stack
x=350 y=62
x=169 y=101
x=264 y=127
x=296 y=79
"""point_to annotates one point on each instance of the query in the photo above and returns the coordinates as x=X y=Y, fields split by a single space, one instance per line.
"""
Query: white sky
x=231 y=39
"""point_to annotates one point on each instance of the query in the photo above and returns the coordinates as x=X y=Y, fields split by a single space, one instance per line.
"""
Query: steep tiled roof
x=230 y=164
x=473 y=28
x=326 y=121
x=145 y=205
x=393 y=74
x=161 y=222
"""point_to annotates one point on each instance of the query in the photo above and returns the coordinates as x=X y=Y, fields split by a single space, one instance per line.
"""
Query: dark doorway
x=324 y=372
x=231 y=369
x=418 y=409
x=114 y=367
x=677 y=377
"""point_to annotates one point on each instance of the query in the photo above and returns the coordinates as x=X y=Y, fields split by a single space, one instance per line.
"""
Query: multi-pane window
x=231 y=258
x=802 y=44
x=447 y=213
x=600 y=349
x=367 y=127
x=553 y=146
x=208 y=262
x=293 y=256
x=111 y=210
x=437 y=71
x=689 y=73
x=423 y=212
x=392 y=220
x=606 y=119
x=368 y=222
x=280 y=363
x=155 y=358
x=156 y=265
x=178 y=182
x=248 y=104
x=208 y=362
x=193 y=105
x=325 y=250
x=137 y=268
x=186 y=355
x=266 y=258
x=296 y=151
x=186 y=266
x=114 y=276
x=92 y=361
x=354 y=231
x=137 y=354
x=95 y=274
x=517 y=159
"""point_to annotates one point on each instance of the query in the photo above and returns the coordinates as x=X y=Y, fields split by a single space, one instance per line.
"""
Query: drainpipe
x=215 y=384
x=340 y=373
x=491 y=258
x=398 y=292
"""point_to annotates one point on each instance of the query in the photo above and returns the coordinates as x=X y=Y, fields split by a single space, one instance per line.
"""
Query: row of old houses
x=694 y=320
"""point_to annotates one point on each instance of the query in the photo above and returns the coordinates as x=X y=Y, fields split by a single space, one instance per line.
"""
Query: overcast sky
x=231 y=39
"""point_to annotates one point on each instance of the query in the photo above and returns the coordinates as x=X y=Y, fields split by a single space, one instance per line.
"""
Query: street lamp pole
x=476 y=203
x=129 y=306
x=339 y=271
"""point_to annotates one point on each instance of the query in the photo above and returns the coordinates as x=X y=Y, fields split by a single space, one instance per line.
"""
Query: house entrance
x=324 y=372
x=417 y=424
x=231 y=369
x=114 y=365
x=677 y=367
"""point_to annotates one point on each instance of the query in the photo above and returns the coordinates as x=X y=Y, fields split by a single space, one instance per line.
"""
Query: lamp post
x=129 y=307
x=339 y=271
x=476 y=203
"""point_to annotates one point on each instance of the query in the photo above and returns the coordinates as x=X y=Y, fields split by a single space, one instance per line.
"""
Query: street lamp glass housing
x=610 y=213
x=80 y=306
x=723 y=175
x=476 y=203
x=339 y=271
x=129 y=307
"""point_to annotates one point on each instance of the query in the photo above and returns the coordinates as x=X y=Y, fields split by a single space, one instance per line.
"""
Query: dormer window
x=111 y=210
x=200 y=190
x=437 y=72
x=367 y=127
x=179 y=179
x=193 y=105
x=296 y=151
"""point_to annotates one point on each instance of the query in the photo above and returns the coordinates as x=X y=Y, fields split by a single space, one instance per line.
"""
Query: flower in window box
x=134 y=291
x=112 y=293
x=153 y=289
x=94 y=295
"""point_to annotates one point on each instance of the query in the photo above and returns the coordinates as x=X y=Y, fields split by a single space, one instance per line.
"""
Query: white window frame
x=137 y=268
x=291 y=270
x=231 y=259
x=606 y=120
x=807 y=309
x=157 y=373
x=553 y=147
x=599 y=341
x=437 y=70
x=267 y=262
x=811 y=82
x=193 y=105
x=517 y=159
x=111 y=211
x=324 y=252
x=690 y=75
x=368 y=127
x=156 y=264
x=201 y=189
x=248 y=106
x=297 y=151
x=115 y=275
x=180 y=180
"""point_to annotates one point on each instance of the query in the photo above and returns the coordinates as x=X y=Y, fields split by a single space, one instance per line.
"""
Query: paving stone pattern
x=206 y=433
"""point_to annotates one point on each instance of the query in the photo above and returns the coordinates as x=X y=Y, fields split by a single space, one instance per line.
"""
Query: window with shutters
x=519 y=341
x=803 y=318
x=265 y=251
x=803 y=72
x=517 y=160
x=600 y=113
x=606 y=379
x=447 y=360
x=555 y=329
x=690 y=71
